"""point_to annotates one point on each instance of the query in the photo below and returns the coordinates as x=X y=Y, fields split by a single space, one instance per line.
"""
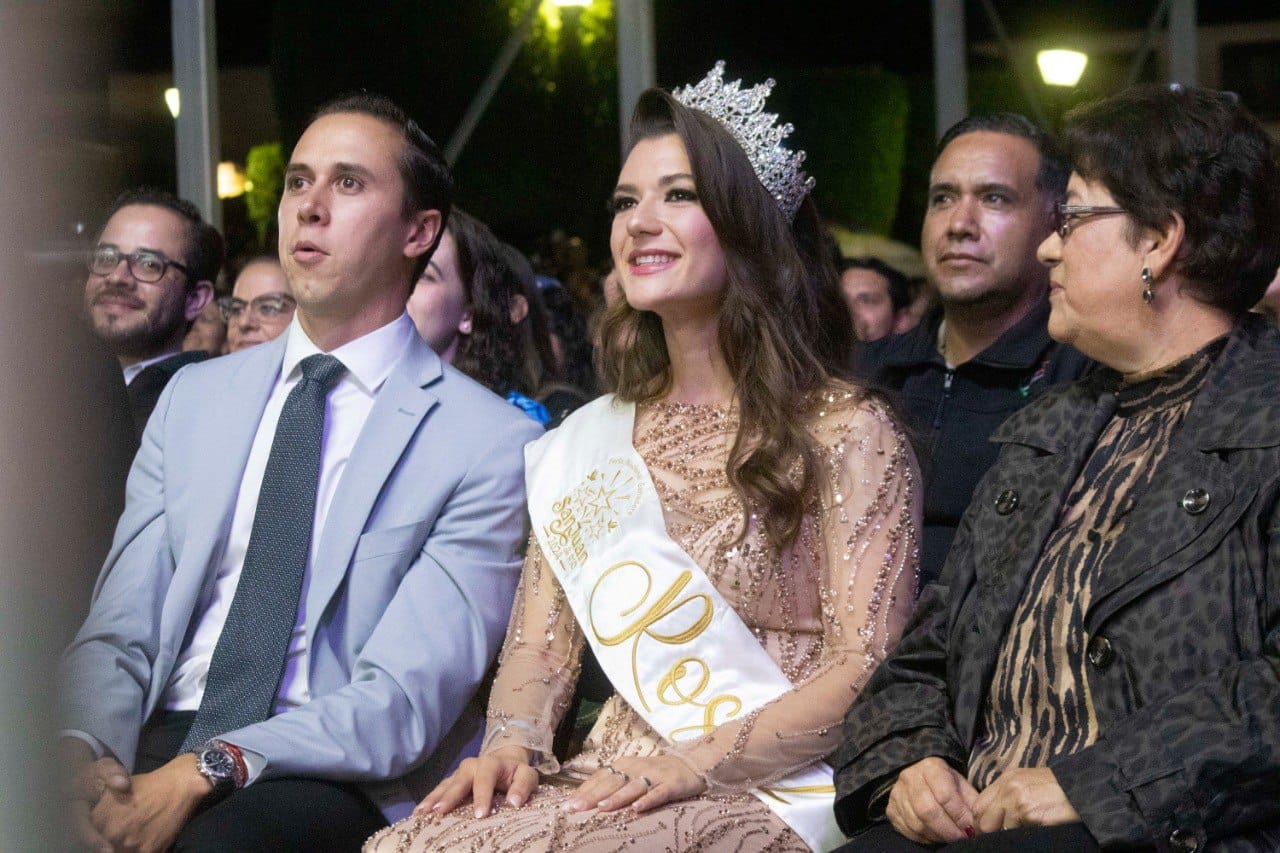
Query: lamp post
x=1061 y=67
x=1061 y=71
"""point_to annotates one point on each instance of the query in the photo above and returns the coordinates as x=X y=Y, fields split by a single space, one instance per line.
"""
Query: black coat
x=1184 y=629
x=953 y=412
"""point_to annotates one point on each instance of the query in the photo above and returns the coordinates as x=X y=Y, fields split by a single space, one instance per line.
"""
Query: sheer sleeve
x=868 y=553
x=538 y=666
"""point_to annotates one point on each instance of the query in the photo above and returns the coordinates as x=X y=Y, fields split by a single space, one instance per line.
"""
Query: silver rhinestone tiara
x=742 y=113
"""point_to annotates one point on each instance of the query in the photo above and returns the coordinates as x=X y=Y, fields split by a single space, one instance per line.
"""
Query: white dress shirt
x=131 y=371
x=369 y=360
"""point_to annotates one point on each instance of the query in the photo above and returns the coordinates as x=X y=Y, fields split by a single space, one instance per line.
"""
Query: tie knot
x=323 y=369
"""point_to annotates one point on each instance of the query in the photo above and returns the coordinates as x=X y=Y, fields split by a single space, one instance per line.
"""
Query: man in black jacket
x=150 y=275
x=985 y=353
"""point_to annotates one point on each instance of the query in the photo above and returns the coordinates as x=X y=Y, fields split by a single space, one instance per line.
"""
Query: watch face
x=218 y=764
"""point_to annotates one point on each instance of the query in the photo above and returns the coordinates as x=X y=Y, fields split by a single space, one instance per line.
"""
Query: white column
x=635 y=57
x=195 y=74
x=1183 y=67
x=950 y=70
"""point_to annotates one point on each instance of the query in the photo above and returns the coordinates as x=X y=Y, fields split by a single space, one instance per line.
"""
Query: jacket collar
x=1021 y=347
x=1237 y=407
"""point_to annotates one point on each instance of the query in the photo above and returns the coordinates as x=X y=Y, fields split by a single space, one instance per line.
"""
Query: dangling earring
x=1147 y=294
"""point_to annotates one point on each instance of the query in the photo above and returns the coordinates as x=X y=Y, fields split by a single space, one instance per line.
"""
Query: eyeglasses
x=268 y=307
x=1069 y=215
x=145 y=265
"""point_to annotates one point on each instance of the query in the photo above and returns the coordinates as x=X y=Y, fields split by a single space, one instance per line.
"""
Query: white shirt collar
x=368 y=359
x=131 y=371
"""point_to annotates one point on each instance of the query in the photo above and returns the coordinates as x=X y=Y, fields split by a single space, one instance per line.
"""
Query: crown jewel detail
x=742 y=113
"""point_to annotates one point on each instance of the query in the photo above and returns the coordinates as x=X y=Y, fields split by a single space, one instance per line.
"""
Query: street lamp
x=1061 y=67
x=231 y=182
x=171 y=98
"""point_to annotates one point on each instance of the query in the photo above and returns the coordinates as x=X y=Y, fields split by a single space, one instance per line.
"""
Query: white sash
x=671 y=645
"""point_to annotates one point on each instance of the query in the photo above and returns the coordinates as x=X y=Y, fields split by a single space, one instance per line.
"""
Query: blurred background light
x=1061 y=67
x=231 y=182
x=172 y=99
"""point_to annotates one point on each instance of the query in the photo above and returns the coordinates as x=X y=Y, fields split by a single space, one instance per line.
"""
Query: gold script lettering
x=668 y=691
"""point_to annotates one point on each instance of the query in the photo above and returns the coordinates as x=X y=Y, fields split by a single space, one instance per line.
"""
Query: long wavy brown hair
x=783 y=330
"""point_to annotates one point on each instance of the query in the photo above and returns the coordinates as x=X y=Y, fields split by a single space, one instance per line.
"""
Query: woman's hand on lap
x=932 y=804
x=504 y=770
x=642 y=783
x=1025 y=796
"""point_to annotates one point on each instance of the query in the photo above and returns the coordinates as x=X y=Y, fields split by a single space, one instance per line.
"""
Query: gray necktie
x=249 y=659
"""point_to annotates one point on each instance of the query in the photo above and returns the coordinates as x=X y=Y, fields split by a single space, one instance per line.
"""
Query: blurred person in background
x=571 y=347
x=1100 y=666
x=468 y=305
x=878 y=297
x=985 y=352
x=151 y=274
x=208 y=333
x=530 y=318
x=260 y=307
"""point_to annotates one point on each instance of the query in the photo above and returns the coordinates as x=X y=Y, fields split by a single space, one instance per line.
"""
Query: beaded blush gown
x=827 y=609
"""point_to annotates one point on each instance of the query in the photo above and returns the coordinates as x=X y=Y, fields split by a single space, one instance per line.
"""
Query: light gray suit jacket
x=410 y=592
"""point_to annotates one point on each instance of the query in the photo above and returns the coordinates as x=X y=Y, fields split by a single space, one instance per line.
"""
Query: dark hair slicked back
x=428 y=181
x=1051 y=177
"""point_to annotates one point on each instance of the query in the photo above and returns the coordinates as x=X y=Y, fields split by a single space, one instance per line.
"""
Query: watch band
x=240 y=774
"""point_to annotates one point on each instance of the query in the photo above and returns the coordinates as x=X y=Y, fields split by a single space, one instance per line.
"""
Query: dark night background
x=855 y=78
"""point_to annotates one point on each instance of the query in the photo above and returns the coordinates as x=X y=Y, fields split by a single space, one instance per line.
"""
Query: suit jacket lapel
x=400 y=406
x=228 y=426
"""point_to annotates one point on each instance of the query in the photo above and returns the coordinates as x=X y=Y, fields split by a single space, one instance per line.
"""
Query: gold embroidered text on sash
x=591 y=511
x=669 y=690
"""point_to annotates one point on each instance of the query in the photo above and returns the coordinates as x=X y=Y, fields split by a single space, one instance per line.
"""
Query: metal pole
x=950 y=71
x=635 y=58
x=195 y=74
x=480 y=103
x=1011 y=56
x=1148 y=42
x=1182 y=42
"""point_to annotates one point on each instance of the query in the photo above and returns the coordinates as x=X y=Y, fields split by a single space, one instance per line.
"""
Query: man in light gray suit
x=319 y=549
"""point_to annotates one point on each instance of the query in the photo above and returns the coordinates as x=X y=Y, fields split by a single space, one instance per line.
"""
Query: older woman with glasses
x=1099 y=665
x=260 y=306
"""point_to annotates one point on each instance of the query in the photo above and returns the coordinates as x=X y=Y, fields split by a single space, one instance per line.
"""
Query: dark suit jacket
x=954 y=412
x=145 y=388
x=1187 y=688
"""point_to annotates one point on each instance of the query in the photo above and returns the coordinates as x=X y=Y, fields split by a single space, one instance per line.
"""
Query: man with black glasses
x=150 y=275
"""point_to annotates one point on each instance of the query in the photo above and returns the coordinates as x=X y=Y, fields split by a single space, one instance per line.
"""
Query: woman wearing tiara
x=734 y=532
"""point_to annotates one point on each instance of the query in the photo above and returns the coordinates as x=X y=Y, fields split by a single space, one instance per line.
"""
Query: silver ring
x=625 y=778
x=611 y=769
x=647 y=783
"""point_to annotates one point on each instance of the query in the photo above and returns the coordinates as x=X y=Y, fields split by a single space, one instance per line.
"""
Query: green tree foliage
x=264 y=171
x=853 y=124
x=545 y=153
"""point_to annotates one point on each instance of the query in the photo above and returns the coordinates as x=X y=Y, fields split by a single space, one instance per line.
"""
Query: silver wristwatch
x=217 y=765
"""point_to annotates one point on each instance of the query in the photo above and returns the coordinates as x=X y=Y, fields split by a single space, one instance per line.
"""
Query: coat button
x=1183 y=842
x=1007 y=502
x=1100 y=652
x=1195 y=501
